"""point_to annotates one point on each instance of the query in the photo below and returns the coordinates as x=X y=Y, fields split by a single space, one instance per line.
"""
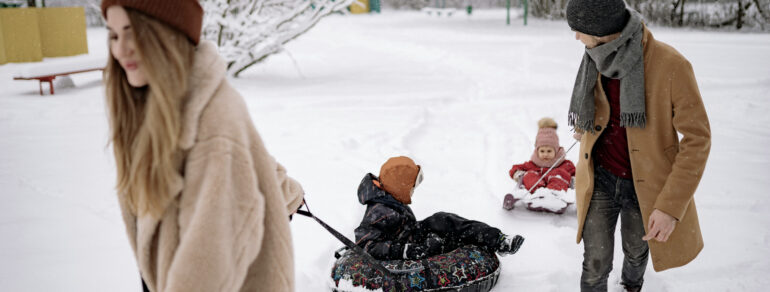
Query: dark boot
x=509 y=244
x=629 y=288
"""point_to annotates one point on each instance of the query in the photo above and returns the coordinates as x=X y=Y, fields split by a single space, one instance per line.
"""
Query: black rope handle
x=375 y=263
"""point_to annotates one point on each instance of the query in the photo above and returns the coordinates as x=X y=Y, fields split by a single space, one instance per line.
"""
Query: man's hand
x=660 y=226
x=577 y=136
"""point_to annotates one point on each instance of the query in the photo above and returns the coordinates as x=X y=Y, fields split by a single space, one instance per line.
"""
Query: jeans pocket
x=602 y=203
x=601 y=196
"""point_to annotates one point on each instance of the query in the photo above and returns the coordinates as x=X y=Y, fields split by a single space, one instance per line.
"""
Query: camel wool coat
x=666 y=170
x=228 y=227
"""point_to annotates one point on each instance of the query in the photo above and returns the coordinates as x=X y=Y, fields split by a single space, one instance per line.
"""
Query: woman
x=206 y=207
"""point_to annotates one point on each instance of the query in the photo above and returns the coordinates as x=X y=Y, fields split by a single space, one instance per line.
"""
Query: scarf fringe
x=573 y=120
x=628 y=120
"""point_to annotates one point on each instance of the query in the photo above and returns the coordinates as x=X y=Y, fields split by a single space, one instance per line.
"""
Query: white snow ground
x=461 y=95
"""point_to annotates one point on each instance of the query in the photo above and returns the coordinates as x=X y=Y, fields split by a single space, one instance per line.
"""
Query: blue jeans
x=613 y=196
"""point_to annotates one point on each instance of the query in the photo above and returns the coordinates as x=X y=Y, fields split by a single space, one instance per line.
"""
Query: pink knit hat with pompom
x=546 y=136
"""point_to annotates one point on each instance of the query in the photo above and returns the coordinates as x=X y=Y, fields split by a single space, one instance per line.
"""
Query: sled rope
x=375 y=263
x=552 y=166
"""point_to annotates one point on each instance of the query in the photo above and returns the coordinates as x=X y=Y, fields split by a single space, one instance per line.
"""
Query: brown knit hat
x=184 y=15
x=399 y=176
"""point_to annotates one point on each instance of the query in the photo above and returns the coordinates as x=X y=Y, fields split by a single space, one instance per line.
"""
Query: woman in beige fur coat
x=206 y=207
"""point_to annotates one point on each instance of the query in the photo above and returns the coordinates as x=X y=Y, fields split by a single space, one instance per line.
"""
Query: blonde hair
x=146 y=122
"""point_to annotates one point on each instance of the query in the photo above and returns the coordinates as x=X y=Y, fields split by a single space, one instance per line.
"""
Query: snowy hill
x=461 y=95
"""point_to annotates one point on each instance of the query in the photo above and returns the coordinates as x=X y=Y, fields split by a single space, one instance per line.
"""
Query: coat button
x=586 y=155
x=598 y=128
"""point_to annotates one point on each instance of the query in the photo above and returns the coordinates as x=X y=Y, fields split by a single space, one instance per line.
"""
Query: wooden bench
x=49 y=69
x=50 y=77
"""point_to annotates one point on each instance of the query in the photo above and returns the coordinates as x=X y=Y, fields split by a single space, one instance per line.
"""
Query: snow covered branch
x=247 y=31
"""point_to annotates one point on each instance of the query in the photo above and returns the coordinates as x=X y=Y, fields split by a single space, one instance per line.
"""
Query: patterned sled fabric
x=466 y=269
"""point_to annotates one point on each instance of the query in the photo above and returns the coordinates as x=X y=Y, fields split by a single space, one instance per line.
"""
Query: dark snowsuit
x=388 y=225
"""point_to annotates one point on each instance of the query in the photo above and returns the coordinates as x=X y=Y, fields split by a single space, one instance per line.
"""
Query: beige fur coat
x=228 y=227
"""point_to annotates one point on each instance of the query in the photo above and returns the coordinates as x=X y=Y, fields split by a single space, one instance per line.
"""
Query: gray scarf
x=622 y=59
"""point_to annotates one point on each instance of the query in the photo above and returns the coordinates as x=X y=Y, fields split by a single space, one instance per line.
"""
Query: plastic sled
x=542 y=200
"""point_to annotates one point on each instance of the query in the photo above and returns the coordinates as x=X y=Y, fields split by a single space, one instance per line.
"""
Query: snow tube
x=466 y=269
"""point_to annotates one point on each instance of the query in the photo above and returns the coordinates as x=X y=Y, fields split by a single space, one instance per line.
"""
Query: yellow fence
x=29 y=34
x=359 y=6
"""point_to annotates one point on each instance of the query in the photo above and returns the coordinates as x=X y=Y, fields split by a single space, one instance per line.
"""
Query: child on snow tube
x=389 y=230
x=444 y=252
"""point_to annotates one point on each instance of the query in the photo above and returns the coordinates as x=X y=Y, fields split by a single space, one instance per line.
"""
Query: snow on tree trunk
x=247 y=31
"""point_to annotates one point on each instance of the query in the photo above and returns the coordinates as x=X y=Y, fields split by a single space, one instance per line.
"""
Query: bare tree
x=694 y=13
x=92 y=9
x=555 y=9
x=419 y=4
x=678 y=4
x=743 y=12
x=248 y=31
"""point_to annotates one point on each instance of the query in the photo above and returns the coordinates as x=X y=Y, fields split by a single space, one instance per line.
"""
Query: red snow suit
x=558 y=179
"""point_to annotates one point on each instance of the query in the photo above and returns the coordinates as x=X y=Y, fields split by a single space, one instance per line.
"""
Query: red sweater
x=611 y=150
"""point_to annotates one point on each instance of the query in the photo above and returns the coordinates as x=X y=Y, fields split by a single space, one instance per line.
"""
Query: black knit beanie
x=597 y=17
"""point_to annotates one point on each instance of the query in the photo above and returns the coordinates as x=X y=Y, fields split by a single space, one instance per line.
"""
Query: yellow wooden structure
x=30 y=34
x=19 y=35
x=359 y=7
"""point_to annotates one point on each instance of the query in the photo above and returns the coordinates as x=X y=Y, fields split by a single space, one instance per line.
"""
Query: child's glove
x=433 y=245
x=509 y=244
x=414 y=251
x=517 y=175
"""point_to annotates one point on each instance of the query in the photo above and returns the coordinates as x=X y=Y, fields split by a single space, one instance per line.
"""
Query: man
x=633 y=96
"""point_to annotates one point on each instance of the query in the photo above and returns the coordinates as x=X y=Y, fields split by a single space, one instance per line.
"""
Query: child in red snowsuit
x=547 y=152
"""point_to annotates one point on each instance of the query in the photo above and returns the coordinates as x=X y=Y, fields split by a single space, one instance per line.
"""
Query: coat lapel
x=208 y=72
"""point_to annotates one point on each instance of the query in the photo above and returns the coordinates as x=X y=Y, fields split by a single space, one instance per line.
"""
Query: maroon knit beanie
x=183 y=15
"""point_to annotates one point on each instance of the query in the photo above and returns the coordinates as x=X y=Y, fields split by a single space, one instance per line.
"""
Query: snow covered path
x=460 y=95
